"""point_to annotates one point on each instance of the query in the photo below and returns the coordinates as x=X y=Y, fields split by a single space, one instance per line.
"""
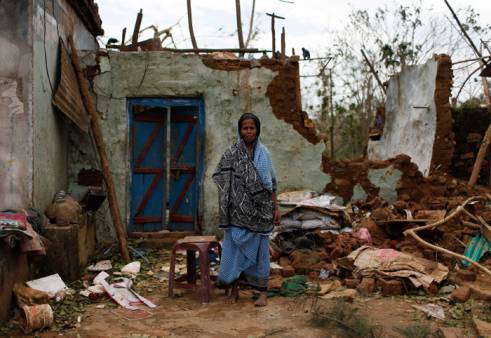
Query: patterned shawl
x=244 y=200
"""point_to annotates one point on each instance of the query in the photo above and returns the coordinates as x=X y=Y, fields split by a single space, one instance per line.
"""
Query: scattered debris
x=37 y=317
x=28 y=296
x=100 y=266
x=131 y=269
x=53 y=285
x=431 y=310
x=368 y=261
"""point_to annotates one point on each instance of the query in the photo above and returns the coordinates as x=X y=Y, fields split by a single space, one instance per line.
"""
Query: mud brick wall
x=469 y=128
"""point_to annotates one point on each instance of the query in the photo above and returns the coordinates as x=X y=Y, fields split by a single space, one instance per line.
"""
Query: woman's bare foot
x=262 y=300
x=233 y=296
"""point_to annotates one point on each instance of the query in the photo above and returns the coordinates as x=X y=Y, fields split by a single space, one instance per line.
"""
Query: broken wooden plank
x=101 y=147
x=136 y=30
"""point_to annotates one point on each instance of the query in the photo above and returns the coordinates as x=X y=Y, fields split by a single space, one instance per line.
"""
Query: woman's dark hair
x=250 y=116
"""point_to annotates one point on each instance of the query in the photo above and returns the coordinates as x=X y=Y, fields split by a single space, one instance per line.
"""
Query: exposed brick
x=466 y=275
x=461 y=294
x=366 y=286
x=390 y=287
x=481 y=294
x=452 y=332
x=284 y=261
x=351 y=283
x=288 y=271
x=432 y=289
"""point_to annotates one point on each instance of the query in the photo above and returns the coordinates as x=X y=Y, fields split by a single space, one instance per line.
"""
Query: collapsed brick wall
x=347 y=174
x=470 y=126
x=432 y=192
x=443 y=147
x=283 y=92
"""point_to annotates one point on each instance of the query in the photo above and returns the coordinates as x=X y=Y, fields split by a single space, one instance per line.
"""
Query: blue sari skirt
x=245 y=258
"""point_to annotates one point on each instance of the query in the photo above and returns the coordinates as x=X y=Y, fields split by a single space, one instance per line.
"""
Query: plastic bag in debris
x=291 y=287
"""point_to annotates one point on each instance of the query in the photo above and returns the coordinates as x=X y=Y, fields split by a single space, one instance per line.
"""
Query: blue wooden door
x=166 y=196
x=148 y=130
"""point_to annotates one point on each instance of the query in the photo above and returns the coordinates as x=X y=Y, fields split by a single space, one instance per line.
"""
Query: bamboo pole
x=251 y=24
x=469 y=40
x=283 y=43
x=213 y=50
x=273 y=36
x=485 y=85
x=101 y=147
x=239 y=24
x=372 y=69
x=460 y=209
x=190 y=24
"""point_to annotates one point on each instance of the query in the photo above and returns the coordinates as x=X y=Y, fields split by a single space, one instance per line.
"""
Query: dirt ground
x=185 y=316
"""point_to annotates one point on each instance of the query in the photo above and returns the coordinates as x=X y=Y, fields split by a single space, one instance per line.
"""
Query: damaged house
x=104 y=144
x=34 y=139
x=166 y=118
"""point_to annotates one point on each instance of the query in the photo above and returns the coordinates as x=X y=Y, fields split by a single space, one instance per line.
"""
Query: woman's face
x=248 y=131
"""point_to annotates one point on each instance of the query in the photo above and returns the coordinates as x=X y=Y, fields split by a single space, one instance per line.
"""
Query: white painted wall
x=409 y=130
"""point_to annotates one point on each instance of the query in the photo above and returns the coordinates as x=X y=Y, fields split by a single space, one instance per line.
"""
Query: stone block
x=452 y=332
x=366 y=286
x=483 y=328
x=351 y=283
x=466 y=275
x=390 y=287
x=288 y=271
x=461 y=295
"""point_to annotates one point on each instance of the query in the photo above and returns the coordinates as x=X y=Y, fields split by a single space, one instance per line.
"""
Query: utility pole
x=273 y=17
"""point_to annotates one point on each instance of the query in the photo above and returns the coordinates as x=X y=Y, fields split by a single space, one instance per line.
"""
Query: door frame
x=168 y=102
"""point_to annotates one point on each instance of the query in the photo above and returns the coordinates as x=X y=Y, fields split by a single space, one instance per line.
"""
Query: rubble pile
x=364 y=243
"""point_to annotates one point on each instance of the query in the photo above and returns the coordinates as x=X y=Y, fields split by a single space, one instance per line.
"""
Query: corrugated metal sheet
x=67 y=97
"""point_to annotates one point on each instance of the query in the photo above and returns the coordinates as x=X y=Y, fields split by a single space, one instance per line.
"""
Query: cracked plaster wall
x=409 y=129
x=15 y=105
x=50 y=128
x=163 y=74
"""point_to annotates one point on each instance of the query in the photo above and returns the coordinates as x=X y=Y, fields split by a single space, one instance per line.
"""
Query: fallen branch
x=453 y=214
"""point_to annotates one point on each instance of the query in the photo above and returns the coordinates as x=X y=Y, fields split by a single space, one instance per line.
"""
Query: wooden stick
x=473 y=46
x=213 y=50
x=470 y=60
x=273 y=36
x=239 y=24
x=190 y=24
x=123 y=37
x=480 y=157
x=283 y=43
x=453 y=214
x=471 y=225
x=485 y=84
x=413 y=234
x=251 y=24
x=136 y=30
x=373 y=70
x=101 y=147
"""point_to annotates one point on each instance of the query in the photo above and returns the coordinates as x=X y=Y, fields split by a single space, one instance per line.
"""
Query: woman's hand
x=277 y=216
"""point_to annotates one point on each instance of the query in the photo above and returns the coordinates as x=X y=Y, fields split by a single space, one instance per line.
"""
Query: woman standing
x=247 y=210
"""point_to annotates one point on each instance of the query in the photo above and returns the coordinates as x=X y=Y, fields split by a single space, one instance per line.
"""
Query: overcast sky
x=307 y=24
